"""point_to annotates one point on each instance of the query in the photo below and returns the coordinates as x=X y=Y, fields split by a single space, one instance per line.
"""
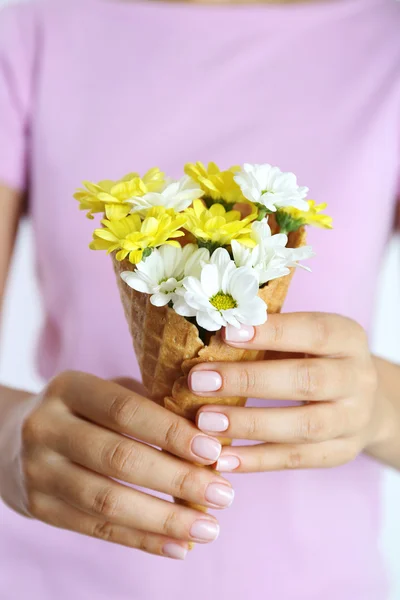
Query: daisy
x=270 y=258
x=270 y=187
x=291 y=256
x=115 y=197
x=290 y=219
x=263 y=258
x=216 y=226
x=218 y=186
x=161 y=274
x=134 y=239
x=222 y=295
x=175 y=194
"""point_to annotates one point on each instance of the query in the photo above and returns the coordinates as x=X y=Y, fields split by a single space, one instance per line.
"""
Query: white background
x=22 y=317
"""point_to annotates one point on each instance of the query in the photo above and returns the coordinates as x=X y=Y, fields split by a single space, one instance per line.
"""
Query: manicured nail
x=211 y=421
x=220 y=495
x=205 y=381
x=206 y=448
x=204 y=531
x=175 y=551
x=244 y=334
x=228 y=463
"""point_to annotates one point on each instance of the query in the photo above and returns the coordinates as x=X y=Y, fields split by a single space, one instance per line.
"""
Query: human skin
x=350 y=398
x=59 y=436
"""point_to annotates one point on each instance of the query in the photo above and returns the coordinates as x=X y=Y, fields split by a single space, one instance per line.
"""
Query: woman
x=96 y=88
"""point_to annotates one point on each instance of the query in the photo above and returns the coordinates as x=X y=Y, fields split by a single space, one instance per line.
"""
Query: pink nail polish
x=206 y=448
x=244 y=334
x=227 y=463
x=211 y=421
x=205 y=381
x=175 y=551
x=220 y=495
x=204 y=531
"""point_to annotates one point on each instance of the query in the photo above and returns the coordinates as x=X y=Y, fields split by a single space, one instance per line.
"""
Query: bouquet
x=193 y=255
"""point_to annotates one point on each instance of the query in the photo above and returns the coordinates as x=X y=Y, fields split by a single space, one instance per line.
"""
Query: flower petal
x=182 y=308
x=209 y=280
x=206 y=321
x=160 y=299
x=243 y=285
x=170 y=256
x=136 y=282
x=253 y=313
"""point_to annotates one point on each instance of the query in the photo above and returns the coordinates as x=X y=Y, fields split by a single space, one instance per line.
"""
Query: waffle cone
x=167 y=345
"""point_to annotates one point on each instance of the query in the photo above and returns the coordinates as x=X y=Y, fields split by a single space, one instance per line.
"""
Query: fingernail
x=228 y=463
x=211 y=421
x=244 y=334
x=175 y=551
x=205 y=381
x=220 y=495
x=206 y=448
x=204 y=531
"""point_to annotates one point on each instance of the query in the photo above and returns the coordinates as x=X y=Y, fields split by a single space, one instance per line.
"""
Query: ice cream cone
x=167 y=345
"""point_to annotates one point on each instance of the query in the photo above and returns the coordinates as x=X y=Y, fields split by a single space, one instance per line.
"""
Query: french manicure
x=212 y=421
x=243 y=334
x=204 y=531
x=205 y=381
x=206 y=448
x=220 y=495
x=175 y=551
x=227 y=463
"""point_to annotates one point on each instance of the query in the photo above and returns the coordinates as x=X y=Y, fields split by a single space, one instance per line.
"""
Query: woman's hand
x=344 y=409
x=61 y=452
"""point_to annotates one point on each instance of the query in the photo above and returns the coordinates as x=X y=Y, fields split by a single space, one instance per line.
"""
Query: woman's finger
x=309 y=333
x=279 y=457
x=111 y=501
x=58 y=513
x=128 y=460
x=123 y=411
x=293 y=425
x=303 y=379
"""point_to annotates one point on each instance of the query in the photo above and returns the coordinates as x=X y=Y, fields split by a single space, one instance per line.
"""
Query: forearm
x=386 y=445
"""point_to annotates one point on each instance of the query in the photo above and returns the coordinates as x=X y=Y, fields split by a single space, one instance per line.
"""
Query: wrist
x=14 y=405
x=11 y=400
x=384 y=441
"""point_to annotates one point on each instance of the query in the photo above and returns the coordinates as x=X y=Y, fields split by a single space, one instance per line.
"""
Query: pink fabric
x=93 y=89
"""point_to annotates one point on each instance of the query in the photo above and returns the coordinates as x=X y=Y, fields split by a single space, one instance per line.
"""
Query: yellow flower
x=217 y=185
x=290 y=219
x=114 y=197
x=217 y=227
x=133 y=237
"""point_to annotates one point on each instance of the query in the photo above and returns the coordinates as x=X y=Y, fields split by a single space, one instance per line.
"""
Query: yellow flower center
x=223 y=301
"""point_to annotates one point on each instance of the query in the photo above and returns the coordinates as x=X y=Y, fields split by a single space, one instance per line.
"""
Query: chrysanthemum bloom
x=218 y=186
x=216 y=227
x=223 y=294
x=115 y=197
x=134 y=238
x=290 y=219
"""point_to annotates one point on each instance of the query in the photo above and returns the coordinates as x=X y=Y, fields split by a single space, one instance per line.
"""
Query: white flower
x=161 y=274
x=271 y=187
x=176 y=194
x=222 y=295
x=291 y=256
x=270 y=258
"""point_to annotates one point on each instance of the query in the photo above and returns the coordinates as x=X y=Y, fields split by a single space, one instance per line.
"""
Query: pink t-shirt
x=92 y=89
